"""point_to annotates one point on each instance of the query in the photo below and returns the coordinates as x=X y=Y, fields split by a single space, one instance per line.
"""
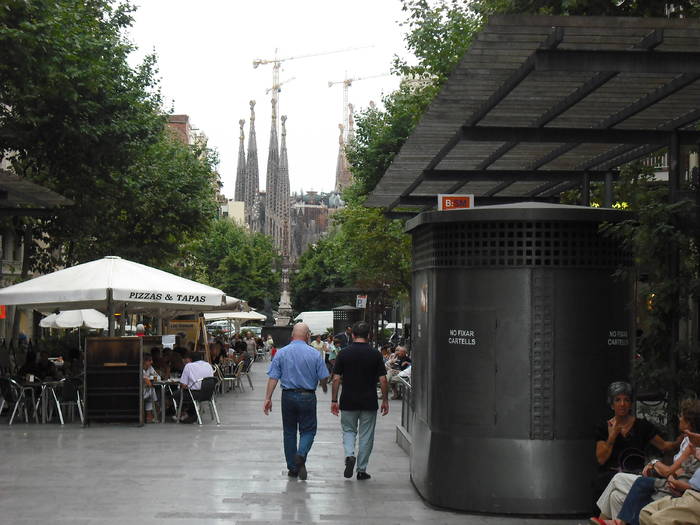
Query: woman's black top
x=628 y=453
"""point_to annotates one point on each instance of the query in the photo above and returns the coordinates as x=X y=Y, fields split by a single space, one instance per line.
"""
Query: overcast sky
x=205 y=52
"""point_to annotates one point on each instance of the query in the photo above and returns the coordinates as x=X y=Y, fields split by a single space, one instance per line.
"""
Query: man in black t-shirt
x=360 y=367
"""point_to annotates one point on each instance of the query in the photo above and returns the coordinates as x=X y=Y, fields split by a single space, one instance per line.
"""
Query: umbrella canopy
x=238 y=316
x=86 y=318
x=100 y=283
x=232 y=304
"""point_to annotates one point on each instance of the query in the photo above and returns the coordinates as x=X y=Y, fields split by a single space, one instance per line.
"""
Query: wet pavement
x=233 y=473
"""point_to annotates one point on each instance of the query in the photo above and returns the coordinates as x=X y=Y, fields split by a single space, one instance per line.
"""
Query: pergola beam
x=509 y=175
x=431 y=200
x=30 y=212
x=634 y=61
x=576 y=135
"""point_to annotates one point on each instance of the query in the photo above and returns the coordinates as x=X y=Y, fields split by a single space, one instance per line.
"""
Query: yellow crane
x=277 y=65
x=347 y=83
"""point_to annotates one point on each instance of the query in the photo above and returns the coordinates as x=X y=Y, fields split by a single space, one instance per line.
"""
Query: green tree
x=656 y=234
x=243 y=264
x=75 y=117
x=317 y=269
x=376 y=251
x=363 y=249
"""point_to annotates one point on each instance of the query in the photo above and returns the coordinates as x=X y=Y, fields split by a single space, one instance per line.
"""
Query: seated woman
x=216 y=352
x=678 y=477
x=613 y=496
x=149 y=392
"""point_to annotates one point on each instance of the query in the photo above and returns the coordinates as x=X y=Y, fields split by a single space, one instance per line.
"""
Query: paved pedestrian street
x=235 y=473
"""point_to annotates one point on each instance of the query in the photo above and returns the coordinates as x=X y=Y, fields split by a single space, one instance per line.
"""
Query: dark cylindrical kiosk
x=518 y=327
x=345 y=316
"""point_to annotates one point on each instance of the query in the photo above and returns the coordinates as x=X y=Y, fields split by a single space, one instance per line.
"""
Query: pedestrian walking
x=300 y=368
x=360 y=367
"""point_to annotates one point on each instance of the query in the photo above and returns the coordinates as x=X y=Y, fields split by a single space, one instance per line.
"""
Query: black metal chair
x=205 y=394
x=245 y=372
x=15 y=397
x=70 y=397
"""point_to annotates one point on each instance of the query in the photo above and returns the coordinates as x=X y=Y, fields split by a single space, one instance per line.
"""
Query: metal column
x=586 y=190
x=607 y=191
x=674 y=183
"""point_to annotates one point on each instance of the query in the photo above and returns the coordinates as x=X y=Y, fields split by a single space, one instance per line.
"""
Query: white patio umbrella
x=248 y=316
x=86 y=318
x=111 y=281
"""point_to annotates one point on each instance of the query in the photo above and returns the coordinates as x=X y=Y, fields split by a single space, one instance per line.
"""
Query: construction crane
x=347 y=83
x=277 y=64
x=278 y=87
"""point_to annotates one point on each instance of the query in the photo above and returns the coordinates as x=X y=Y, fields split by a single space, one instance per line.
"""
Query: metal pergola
x=540 y=105
x=20 y=197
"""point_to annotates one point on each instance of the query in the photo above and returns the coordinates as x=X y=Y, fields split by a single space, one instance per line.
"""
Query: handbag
x=632 y=461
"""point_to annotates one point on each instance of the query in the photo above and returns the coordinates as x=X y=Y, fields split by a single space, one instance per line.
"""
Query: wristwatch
x=334 y=400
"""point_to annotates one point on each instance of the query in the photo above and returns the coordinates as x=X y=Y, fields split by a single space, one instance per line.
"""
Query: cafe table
x=48 y=388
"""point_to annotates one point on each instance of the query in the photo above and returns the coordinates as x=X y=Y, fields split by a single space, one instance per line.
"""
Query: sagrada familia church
x=292 y=221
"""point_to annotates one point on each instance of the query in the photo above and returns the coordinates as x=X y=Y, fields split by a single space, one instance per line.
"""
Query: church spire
x=252 y=175
x=342 y=171
x=283 y=195
x=271 y=182
x=240 y=171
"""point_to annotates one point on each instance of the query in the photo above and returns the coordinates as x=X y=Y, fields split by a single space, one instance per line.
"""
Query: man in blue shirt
x=300 y=368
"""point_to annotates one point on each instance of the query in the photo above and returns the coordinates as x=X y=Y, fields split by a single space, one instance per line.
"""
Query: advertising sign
x=455 y=202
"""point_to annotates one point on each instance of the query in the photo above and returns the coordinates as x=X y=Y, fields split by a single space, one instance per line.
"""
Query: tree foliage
x=363 y=249
x=75 y=117
x=658 y=233
x=243 y=264
x=318 y=268
x=375 y=250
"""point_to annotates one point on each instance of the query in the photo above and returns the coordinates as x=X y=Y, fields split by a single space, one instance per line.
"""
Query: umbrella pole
x=110 y=313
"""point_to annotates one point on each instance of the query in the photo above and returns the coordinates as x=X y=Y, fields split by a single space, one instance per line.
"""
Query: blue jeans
x=298 y=414
x=358 y=423
x=639 y=496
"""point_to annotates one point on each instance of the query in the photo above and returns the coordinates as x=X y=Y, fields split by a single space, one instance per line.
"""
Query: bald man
x=300 y=368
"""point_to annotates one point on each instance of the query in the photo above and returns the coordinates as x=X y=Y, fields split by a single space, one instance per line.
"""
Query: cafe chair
x=205 y=395
x=220 y=380
x=15 y=396
x=71 y=398
x=245 y=372
x=235 y=378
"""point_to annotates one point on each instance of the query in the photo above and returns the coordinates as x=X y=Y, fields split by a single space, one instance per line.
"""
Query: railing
x=406 y=411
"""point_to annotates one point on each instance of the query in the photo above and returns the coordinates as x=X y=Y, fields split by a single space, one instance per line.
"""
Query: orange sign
x=455 y=202
x=3 y=311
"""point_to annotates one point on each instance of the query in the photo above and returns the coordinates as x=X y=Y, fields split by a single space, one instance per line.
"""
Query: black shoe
x=349 y=466
x=292 y=474
x=301 y=466
x=362 y=476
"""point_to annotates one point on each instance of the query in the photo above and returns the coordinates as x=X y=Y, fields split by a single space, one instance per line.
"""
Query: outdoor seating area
x=86 y=369
x=59 y=397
